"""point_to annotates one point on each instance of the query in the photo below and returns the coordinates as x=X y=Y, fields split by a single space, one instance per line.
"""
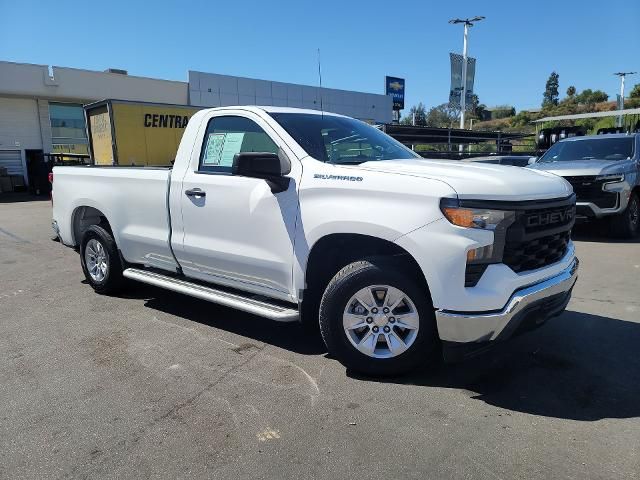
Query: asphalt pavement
x=153 y=384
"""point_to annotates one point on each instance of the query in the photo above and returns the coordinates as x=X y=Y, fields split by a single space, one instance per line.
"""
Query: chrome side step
x=247 y=304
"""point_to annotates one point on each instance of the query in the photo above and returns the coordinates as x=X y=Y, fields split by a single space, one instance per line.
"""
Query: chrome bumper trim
x=485 y=326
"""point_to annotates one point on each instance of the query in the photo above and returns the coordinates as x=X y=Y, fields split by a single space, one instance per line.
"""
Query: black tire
x=627 y=224
x=113 y=279
x=346 y=283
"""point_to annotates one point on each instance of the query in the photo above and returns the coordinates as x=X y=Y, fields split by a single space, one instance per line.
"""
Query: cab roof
x=274 y=109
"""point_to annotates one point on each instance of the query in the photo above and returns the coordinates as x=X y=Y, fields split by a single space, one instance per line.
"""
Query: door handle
x=195 y=192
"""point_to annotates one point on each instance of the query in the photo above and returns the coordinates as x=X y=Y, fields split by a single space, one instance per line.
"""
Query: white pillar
x=463 y=95
x=619 y=122
x=463 y=98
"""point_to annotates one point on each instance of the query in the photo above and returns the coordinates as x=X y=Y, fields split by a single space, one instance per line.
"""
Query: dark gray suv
x=604 y=171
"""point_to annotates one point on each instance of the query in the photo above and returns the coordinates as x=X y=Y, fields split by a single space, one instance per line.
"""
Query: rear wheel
x=100 y=260
x=376 y=320
x=627 y=224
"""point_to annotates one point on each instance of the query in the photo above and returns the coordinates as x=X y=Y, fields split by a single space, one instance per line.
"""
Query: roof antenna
x=320 y=79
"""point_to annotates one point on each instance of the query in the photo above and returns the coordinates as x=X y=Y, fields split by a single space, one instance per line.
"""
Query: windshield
x=341 y=140
x=619 y=148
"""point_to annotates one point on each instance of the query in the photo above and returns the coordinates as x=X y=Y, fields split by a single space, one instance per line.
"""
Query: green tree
x=551 y=95
x=419 y=112
x=481 y=111
x=633 y=102
x=590 y=97
x=571 y=91
x=476 y=109
x=635 y=91
x=522 y=119
x=503 y=111
x=599 y=96
x=444 y=116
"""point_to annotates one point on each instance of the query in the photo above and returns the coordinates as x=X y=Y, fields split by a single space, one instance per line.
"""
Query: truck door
x=236 y=232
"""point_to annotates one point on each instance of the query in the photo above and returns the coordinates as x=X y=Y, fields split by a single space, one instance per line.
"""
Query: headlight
x=615 y=177
x=496 y=221
x=482 y=218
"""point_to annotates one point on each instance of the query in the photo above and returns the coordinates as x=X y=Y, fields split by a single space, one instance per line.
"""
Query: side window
x=226 y=136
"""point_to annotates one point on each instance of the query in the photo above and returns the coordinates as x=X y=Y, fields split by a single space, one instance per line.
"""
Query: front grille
x=588 y=189
x=539 y=236
x=536 y=253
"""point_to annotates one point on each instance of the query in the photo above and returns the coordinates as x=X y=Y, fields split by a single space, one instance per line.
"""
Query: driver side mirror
x=268 y=166
x=532 y=160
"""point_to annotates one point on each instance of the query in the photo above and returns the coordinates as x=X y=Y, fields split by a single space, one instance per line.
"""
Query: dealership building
x=41 y=107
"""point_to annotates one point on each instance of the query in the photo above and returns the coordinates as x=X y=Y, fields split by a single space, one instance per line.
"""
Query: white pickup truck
x=301 y=215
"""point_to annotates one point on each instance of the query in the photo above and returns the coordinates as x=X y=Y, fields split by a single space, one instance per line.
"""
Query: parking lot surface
x=153 y=384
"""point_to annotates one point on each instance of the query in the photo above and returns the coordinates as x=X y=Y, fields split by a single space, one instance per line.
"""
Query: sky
x=517 y=46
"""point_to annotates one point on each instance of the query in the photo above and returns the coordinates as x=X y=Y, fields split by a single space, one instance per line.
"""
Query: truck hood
x=480 y=180
x=582 y=168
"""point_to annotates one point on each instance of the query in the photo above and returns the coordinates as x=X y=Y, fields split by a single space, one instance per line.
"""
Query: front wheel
x=627 y=224
x=376 y=320
x=100 y=260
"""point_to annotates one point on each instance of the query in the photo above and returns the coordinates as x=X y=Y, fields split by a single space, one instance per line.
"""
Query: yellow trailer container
x=123 y=132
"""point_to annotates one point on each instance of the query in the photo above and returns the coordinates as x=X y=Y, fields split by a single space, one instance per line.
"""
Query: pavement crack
x=602 y=300
x=13 y=237
x=95 y=461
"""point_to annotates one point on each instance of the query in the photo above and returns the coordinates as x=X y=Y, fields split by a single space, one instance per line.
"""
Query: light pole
x=467 y=22
x=622 y=75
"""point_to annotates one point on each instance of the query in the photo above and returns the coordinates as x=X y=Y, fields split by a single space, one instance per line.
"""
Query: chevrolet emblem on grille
x=549 y=218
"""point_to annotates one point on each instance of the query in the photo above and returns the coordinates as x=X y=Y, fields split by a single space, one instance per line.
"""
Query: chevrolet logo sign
x=550 y=218
x=395 y=86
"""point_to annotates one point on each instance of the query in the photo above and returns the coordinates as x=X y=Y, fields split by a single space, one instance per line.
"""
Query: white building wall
x=214 y=90
x=72 y=84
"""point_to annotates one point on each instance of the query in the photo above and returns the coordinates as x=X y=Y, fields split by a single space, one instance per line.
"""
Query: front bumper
x=587 y=209
x=527 y=308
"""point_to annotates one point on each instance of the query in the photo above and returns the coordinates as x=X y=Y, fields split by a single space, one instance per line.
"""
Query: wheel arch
x=332 y=252
x=83 y=217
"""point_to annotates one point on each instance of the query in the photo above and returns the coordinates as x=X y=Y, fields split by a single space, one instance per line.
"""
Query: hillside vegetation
x=505 y=119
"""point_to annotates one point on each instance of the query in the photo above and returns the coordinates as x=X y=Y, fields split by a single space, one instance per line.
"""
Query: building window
x=68 y=128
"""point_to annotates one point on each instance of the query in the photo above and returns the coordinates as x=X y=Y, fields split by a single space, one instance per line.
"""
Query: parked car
x=604 y=171
x=514 y=160
x=302 y=215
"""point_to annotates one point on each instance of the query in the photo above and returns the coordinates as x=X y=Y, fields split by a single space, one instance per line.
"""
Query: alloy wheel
x=96 y=259
x=381 y=321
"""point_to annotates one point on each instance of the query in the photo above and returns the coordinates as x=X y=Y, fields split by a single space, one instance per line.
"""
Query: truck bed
x=134 y=199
